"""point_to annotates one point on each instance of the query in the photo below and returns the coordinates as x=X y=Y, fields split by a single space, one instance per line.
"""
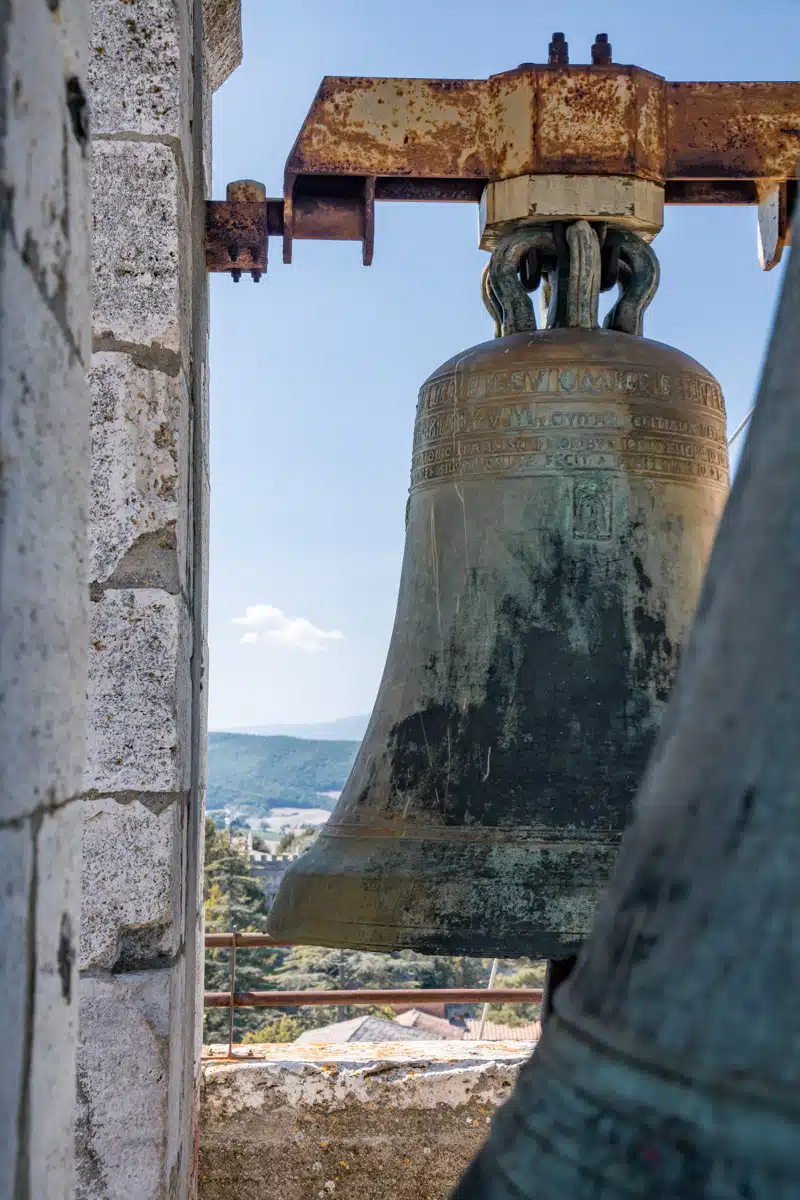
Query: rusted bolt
x=236 y=274
x=233 y=253
x=255 y=275
x=558 y=51
x=246 y=191
x=601 y=51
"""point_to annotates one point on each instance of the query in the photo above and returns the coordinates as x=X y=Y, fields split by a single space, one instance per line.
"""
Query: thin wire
x=739 y=428
x=490 y=984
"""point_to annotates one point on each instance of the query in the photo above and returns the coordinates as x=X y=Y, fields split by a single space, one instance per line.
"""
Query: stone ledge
x=365 y=1121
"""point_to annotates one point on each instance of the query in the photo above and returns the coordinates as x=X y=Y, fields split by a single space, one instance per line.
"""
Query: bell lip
x=380 y=917
x=350 y=935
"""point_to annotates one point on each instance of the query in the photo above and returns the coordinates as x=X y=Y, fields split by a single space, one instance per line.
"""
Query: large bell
x=565 y=490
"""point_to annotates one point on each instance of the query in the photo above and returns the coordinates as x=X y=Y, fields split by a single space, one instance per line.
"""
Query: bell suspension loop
x=573 y=263
x=583 y=293
x=638 y=277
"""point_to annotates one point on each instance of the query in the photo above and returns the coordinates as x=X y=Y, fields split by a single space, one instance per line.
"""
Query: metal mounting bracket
x=619 y=140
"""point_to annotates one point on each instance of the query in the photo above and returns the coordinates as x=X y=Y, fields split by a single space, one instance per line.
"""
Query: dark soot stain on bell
x=547 y=714
x=566 y=487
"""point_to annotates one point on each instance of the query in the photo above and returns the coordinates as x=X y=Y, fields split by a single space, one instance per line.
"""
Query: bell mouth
x=440 y=897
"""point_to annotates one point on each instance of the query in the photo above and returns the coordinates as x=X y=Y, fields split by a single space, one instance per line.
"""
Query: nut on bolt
x=601 y=51
x=244 y=191
x=558 y=51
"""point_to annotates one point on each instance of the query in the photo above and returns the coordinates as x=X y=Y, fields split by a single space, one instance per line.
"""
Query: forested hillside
x=258 y=773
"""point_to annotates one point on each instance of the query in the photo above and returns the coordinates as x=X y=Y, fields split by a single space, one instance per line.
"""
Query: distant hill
x=260 y=773
x=343 y=729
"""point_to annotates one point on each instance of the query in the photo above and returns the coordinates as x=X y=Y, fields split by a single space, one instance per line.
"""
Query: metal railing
x=392 y=996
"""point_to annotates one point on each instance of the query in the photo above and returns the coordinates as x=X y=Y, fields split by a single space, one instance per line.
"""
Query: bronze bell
x=565 y=490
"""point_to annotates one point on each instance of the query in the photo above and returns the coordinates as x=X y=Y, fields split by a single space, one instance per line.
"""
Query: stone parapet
x=365 y=1122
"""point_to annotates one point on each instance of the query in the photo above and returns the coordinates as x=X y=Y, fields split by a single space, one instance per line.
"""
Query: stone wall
x=141 y=955
x=44 y=350
x=360 y=1122
x=269 y=869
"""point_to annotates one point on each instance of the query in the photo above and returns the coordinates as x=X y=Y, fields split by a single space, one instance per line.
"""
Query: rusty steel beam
x=242 y=226
x=605 y=120
x=711 y=191
x=732 y=130
x=237 y=232
x=445 y=140
x=373 y=996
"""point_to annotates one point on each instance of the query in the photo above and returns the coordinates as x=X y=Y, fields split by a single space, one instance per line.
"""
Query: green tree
x=232 y=898
x=440 y=971
x=278 y=1027
x=517 y=973
x=307 y=968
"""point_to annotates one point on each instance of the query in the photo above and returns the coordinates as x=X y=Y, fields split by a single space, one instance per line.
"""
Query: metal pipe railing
x=223 y=941
x=408 y=996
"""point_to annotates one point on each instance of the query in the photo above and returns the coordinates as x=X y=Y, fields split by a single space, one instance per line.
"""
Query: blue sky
x=315 y=371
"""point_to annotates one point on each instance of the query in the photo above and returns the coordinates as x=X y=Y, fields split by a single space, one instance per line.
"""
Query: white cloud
x=269 y=624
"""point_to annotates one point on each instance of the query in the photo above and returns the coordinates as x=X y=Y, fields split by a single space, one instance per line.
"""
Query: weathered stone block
x=44 y=449
x=139 y=693
x=52 y=1078
x=132 y=911
x=222 y=26
x=342 y=1120
x=140 y=69
x=126 y=1063
x=141 y=250
x=16 y=866
x=140 y=459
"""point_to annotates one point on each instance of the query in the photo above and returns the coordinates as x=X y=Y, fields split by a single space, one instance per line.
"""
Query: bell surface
x=565 y=492
x=671 y=1068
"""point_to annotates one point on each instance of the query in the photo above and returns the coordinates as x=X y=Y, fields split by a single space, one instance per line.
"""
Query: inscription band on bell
x=456 y=435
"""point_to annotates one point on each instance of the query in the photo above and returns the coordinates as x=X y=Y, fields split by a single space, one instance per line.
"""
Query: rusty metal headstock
x=537 y=143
